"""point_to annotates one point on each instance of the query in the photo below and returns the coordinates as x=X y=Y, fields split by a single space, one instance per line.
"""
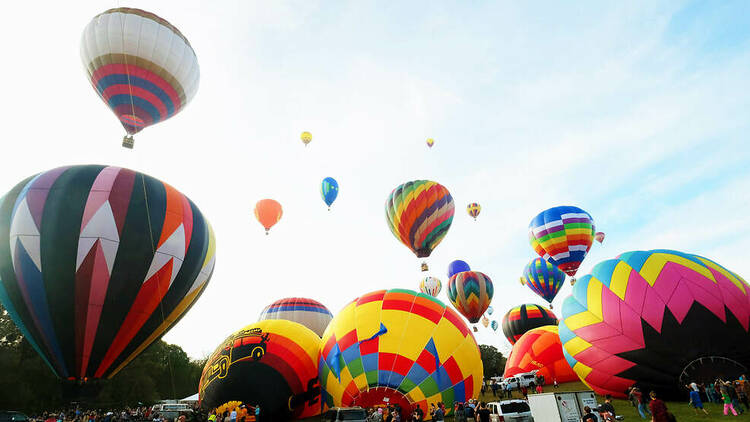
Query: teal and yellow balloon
x=329 y=190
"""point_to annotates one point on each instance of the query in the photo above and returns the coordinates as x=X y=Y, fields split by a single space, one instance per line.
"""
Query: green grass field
x=681 y=410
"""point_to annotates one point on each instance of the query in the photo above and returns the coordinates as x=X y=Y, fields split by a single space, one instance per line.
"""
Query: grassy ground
x=681 y=410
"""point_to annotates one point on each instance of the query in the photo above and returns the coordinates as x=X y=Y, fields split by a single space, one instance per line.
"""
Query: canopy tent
x=191 y=399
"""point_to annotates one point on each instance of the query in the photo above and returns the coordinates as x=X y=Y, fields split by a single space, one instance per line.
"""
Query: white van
x=510 y=411
x=171 y=410
x=520 y=380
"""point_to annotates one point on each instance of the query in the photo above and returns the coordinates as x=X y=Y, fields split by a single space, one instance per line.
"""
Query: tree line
x=162 y=371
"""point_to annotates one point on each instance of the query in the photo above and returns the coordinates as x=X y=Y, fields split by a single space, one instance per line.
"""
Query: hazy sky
x=636 y=112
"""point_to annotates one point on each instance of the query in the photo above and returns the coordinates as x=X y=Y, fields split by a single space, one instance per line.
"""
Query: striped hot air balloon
x=308 y=312
x=521 y=319
x=470 y=292
x=419 y=214
x=141 y=66
x=99 y=262
x=562 y=236
x=430 y=286
x=543 y=279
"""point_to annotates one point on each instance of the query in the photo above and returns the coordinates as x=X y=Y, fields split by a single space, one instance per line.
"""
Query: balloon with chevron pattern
x=470 y=292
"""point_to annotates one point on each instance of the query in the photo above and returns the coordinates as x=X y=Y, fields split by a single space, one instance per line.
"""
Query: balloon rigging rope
x=161 y=302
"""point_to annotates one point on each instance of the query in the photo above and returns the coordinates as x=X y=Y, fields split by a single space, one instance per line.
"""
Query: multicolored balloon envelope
x=419 y=214
x=271 y=363
x=470 y=292
x=473 y=209
x=543 y=279
x=140 y=65
x=430 y=286
x=401 y=346
x=308 y=312
x=430 y=142
x=657 y=318
x=521 y=319
x=562 y=236
x=99 y=262
x=540 y=349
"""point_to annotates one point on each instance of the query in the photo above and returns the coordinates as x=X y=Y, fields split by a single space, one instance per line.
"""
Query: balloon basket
x=572 y=281
x=425 y=267
x=128 y=141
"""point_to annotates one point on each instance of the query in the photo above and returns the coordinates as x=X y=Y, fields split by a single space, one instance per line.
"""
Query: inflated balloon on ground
x=308 y=312
x=141 y=66
x=400 y=345
x=540 y=349
x=99 y=262
x=657 y=318
x=523 y=318
x=272 y=363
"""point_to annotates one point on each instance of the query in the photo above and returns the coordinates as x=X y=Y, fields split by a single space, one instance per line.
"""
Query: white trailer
x=561 y=407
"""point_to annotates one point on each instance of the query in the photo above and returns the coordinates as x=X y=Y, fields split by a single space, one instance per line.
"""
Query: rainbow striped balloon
x=470 y=292
x=430 y=286
x=562 y=236
x=140 y=65
x=419 y=214
x=308 y=312
x=543 y=279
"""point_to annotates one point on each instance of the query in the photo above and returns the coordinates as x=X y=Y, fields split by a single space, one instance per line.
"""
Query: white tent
x=191 y=399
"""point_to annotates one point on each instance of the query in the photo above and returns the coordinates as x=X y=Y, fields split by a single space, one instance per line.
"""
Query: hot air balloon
x=430 y=142
x=308 y=312
x=490 y=310
x=485 y=321
x=562 y=236
x=306 y=137
x=540 y=349
x=141 y=66
x=272 y=363
x=430 y=286
x=599 y=236
x=419 y=214
x=523 y=318
x=494 y=325
x=399 y=345
x=543 y=279
x=329 y=190
x=457 y=266
x=470 y=292
x=99 y=262
x=473 y=209
x=657 y=318
x=268 y=212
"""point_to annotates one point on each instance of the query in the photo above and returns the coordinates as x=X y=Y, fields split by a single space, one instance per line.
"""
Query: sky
x=635 y=112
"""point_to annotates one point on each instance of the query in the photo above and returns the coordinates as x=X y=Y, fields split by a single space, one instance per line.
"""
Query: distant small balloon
x=430 y=142
x=306 y=137
x=268 y=212
x=474 y=209
x=329 y=190
x=494 y=325
x=490 y=310
x=599 y=236
x=485 y=321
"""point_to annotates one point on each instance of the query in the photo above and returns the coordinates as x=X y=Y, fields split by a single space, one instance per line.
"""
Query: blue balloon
x=457 y=266
x=329 y=190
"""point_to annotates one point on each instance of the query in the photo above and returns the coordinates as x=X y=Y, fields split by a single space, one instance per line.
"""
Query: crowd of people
x=470 y=411
x=128 y=414
x=731 y=393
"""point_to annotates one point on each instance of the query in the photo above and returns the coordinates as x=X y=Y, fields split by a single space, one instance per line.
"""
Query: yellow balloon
x=306 y=137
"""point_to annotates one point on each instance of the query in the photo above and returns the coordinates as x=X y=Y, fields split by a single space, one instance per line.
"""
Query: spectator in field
x=658 y=409
x=588 y=416
x=695 y=398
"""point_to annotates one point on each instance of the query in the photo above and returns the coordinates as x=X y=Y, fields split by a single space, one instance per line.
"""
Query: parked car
x=351 y=414
x=520 y=380
x=12 y=416
x=510 y=411
x=171 y=410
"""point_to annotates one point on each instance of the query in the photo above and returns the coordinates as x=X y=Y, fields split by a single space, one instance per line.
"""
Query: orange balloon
x=268 y=212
